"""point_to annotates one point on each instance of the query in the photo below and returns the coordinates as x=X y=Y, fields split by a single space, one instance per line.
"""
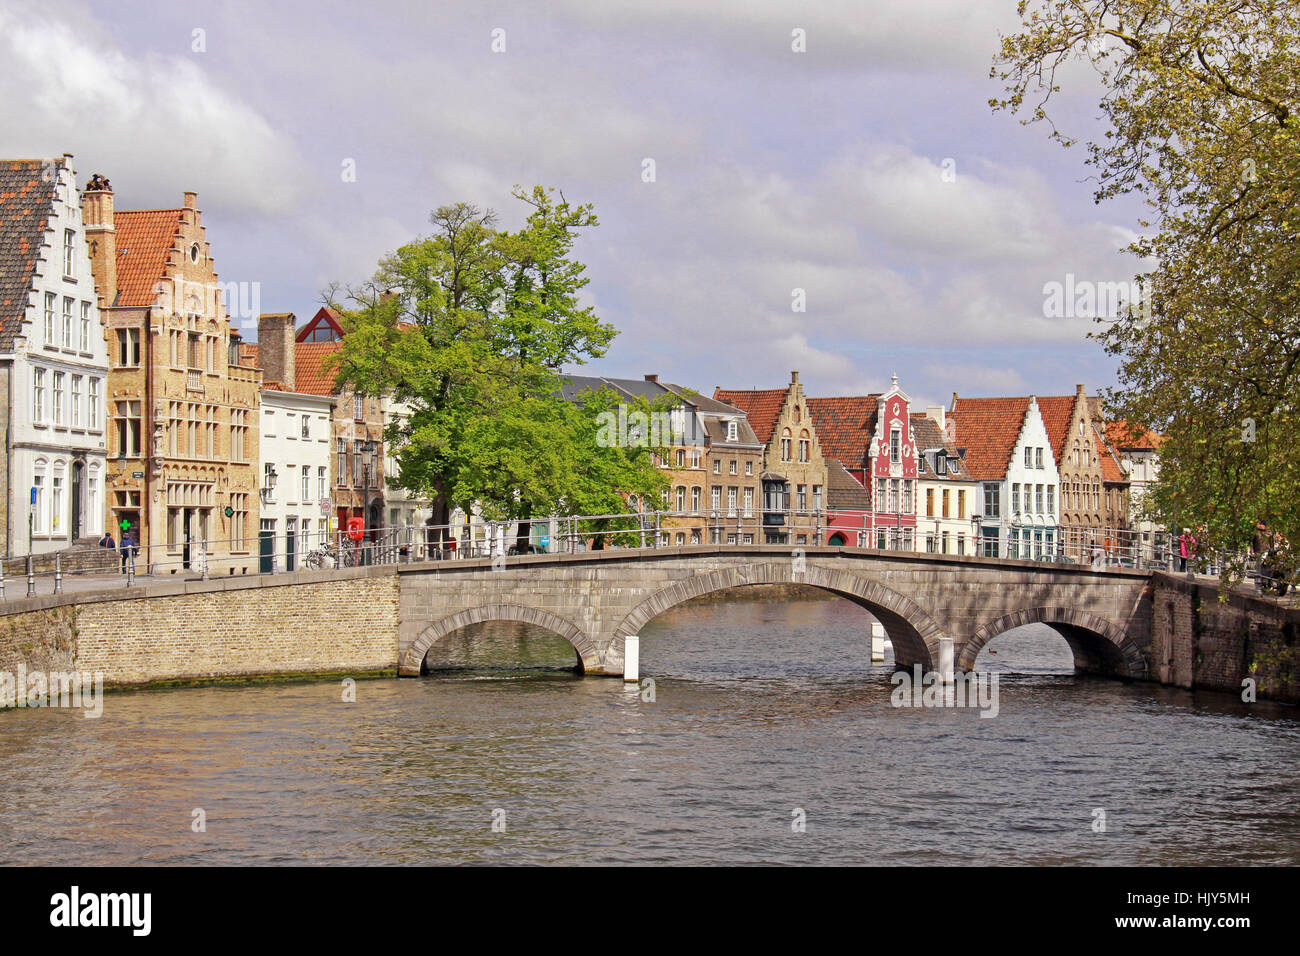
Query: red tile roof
x=1125 y=435
x=988 y=428
x=1111 y=470
x=25 y=196
x=1057 y=411
x=310 y=377
x=845 y=426
x=144 y=238
x=761 y=406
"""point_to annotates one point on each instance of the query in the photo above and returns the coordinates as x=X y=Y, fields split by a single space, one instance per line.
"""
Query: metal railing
x=269 y=553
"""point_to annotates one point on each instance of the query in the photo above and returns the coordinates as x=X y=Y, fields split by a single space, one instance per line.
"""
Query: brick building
x=182 y=411
x=296 y=358
x=795 y=471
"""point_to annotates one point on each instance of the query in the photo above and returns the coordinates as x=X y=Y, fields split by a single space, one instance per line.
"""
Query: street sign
x=33 y=497
x=326 y=506
x=137 y=474
x=544 y=541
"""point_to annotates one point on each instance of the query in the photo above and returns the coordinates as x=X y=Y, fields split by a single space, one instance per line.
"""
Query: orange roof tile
x=1057 y=411
x=144 y=237
x=845 y=426
x=1122 y=434
x=309 y=376
x=761 y=406
x=988 y=428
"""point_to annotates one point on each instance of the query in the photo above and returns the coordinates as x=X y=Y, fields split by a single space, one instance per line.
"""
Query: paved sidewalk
x=16 y=584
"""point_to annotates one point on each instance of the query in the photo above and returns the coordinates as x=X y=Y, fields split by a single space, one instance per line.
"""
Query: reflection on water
x=761 y=708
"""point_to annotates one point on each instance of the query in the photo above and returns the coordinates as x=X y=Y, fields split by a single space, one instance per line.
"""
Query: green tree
x=469 y=327
x=1199 y=99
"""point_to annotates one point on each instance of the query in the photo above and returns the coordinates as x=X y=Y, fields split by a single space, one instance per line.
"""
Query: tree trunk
x=523 y=535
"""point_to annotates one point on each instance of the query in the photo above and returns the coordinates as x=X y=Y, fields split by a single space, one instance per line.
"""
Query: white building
x=53 y=362
x=1005 y=447
x=949 y=502
x=294 y=457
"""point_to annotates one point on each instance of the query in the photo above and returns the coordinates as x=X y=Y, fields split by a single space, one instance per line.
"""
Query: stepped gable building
x=1008 y=452
x=794 y=472
x=871 y=436
x=53 y=364
x=949 y=500
x=297 y=359
x=1093 y=489
x=182 y=411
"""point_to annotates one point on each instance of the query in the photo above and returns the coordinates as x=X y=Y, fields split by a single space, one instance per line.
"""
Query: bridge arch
x=1098 y=645
x=413 y=660
x=913 y=632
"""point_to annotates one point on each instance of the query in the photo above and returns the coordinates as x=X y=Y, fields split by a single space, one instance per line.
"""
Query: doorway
x=78 y=470
x=266 y=546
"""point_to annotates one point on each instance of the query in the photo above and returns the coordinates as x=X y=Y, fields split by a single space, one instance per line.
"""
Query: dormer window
x=732 y=430
x=940 y=464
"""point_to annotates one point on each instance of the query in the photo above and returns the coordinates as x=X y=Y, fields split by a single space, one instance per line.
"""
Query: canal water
x=771 y=738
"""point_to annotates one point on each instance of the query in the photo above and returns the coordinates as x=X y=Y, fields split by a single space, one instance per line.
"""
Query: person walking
x=130 y=547
x=107 y=541
x=1186 y=548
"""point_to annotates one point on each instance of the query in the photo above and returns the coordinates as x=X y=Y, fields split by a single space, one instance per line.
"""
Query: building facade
x=294 y=460
x=1007 y=450
x=182 y=411
x=299 y=360
x=54 y=362
x=949 y=500
x=1093 y=489
x=794 y=472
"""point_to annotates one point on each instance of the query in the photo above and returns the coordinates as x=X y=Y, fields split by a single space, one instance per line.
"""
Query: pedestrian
x=107 y=541
x=1186 y=548
x=130 y=546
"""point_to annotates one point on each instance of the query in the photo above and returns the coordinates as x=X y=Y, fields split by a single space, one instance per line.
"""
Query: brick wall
x=309 y=622
x=1200 y=642
x=42 y=639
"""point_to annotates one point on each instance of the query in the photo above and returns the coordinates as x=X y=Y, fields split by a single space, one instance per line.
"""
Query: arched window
x=805 y=446
x=785 y=444
x=40 y=491
x=58 y=498
x=837 y=540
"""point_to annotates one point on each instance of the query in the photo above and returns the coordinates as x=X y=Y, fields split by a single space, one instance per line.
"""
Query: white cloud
x=155 y=125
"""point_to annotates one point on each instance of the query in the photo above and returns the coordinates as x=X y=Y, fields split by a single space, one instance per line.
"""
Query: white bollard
x=945 y=660
x=877 y=642
x=631 y=658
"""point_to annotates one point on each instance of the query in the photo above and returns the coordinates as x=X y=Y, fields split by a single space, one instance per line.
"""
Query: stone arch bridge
x=596 y=599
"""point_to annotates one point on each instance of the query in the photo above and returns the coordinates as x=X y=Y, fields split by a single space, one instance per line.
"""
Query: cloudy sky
x=867 y=171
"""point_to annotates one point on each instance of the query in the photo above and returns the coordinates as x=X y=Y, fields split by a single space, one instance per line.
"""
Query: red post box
x=356 y=528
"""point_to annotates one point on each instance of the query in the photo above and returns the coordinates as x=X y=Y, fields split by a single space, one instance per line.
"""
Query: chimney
x=936 y=414
x=191 y=199
x=275 y=348
x=1078 y=390
x=101 y=236
x=794 y=378
x=652 y=378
